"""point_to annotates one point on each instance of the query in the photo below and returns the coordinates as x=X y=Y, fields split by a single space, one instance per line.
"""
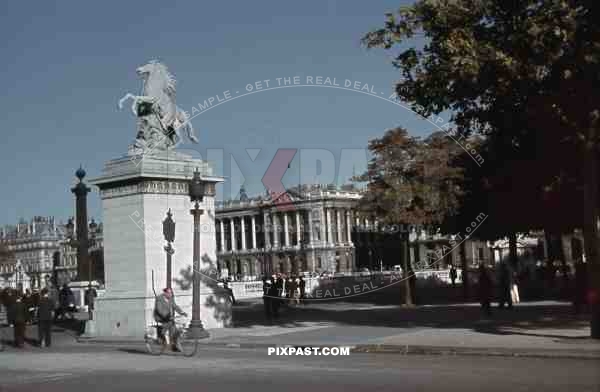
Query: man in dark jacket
x=28 y=301
x=274 y=294
x=164 y=314
x=485 y=289
x=266 y=298
x=302 y=285
x=20 y=317
x=45 y=317
x=505 y=284
x=453 y=275
x=9 y=304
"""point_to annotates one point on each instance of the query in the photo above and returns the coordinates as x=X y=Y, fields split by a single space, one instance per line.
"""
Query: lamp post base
x=196 y=330
x=90 y=330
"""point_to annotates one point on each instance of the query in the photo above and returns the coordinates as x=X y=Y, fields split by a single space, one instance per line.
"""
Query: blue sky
x=66 y=64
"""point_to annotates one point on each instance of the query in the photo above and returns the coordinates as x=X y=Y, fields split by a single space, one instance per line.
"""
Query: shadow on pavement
x=524 y=319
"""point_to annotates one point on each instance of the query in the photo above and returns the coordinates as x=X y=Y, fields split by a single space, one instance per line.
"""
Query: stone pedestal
x=136 y=192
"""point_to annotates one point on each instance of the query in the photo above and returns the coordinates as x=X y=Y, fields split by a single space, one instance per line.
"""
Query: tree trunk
x=408 y=298
x=549 y=246
x=512 y=249
x=590 y=233
x=465 y=270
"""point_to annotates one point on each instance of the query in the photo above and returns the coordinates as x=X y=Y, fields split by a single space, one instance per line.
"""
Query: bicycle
x=156 y=344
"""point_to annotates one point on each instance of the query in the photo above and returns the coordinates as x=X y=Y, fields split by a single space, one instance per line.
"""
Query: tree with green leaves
x=411 y=181
x=516 y=70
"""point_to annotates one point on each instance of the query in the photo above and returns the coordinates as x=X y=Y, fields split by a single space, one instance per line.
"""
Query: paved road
x=253 y=370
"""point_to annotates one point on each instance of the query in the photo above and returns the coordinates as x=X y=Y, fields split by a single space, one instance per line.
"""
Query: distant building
x=305 y=229
x=317 y=229
x=33 y=249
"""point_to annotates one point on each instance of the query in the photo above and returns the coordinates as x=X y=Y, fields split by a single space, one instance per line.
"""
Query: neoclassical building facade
x=306 y=229
x=38 y=249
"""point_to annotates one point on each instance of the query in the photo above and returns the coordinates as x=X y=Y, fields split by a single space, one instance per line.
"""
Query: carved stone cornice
x=171 y=187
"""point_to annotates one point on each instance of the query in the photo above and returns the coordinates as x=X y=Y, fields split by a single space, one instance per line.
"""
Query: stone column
x=323 y=225
x=275 y=230
x=298 y=225
x=232 y=225
x=339 y=226
x=310 y=238
x=223 y=244
x=253 y=228
x=286 y=229
x=349 y=227
x=242 y=224
x=266 y=229
x=329 y=228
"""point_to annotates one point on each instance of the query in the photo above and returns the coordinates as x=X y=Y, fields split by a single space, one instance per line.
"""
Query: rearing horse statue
x=159 y=119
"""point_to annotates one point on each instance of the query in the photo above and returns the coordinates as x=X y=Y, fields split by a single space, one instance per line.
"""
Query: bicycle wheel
x=154 y=344
x=186 y=345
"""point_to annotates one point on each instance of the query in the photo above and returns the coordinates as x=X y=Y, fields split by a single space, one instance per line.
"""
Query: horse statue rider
x=160 y=121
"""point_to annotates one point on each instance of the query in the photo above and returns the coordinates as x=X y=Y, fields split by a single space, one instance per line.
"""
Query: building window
x=319 y=262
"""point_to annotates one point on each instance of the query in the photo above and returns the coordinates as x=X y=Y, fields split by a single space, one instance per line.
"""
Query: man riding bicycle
x=164 y=314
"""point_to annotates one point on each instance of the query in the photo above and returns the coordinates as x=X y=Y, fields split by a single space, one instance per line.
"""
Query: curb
x=490 y=352
x=390 y=349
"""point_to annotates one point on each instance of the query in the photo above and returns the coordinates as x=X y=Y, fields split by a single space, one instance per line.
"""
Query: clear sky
x=65 y=65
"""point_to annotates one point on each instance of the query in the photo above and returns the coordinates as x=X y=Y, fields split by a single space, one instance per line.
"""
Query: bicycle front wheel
x=187 y=346
x=154 y=344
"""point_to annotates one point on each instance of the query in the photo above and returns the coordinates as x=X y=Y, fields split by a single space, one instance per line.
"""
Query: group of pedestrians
x=281 y=290
x=27 y=308
x=508 y=290
x=507 y=282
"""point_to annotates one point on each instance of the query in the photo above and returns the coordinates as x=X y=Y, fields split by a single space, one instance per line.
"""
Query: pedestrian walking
x=274 y=295
x=45 y=317
x=505 y=286
x=9 y=305
x=514 y=291
x=67 y=302
x=581 y=284
x=267 y=302
x=90 y=298
x=29 y=305
x=20 y=317
x=302 y=286
x=296 y=293
x=485 y=289
x=453 y=275
x=288 y=290
x=279 y=285
x=290 y=287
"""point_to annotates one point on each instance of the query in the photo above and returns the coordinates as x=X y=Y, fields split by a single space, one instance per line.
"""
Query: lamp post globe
x=196 y=193
x=197 y=188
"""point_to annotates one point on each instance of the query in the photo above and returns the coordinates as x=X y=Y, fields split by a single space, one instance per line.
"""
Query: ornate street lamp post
x=197 y=191
x=81 y=190
x=169 y=233
x=76 y=243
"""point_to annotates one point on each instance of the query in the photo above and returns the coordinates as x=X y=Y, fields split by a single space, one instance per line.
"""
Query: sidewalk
x=544 y=329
